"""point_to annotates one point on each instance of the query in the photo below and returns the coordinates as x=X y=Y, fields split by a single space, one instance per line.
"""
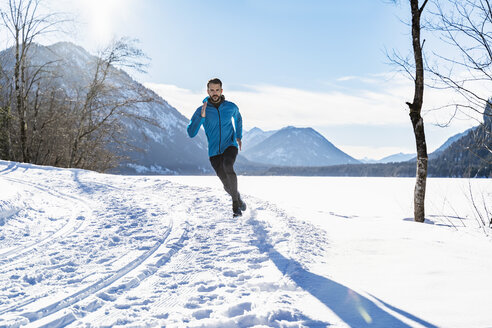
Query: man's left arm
x=238 y=123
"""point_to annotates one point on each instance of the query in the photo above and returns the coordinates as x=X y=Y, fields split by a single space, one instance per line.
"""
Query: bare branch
x=422 y=7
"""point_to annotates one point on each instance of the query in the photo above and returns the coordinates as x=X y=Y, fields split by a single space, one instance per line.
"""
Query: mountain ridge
x=292 y=146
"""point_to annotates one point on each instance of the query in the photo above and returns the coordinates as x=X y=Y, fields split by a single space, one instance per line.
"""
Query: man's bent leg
x=218 y=165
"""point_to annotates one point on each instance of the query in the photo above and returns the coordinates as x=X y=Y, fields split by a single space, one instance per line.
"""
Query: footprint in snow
x=238 y=309
x=206 y=289
x=202 y=314
x=232 y=273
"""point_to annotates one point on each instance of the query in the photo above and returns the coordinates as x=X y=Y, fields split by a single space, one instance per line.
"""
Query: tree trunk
x=23 y=118
x=416 y=118
x=422 y=159
x=19 y=97
x=73 y=152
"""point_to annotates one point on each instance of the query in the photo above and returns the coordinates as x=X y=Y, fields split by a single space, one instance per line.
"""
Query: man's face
x=214 y=91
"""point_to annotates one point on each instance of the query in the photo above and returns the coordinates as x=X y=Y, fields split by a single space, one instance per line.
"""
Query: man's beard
x=215 y=98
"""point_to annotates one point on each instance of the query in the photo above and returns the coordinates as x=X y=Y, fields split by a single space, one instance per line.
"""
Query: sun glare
x=103 y=18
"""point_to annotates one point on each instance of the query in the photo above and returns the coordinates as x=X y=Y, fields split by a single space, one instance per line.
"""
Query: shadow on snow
x=353 y=308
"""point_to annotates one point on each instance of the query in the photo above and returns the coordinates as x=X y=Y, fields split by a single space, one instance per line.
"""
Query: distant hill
x=367 y=160
x=395 y=158
x=293 y=146
x=400 y=157
x=469 y=156
x=254 y=137
x=449 y=142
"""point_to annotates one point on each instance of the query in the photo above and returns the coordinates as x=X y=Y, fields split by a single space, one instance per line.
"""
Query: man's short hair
x=214 y=81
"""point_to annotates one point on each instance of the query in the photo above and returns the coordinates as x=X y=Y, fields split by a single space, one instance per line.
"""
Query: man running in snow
x=216 y=115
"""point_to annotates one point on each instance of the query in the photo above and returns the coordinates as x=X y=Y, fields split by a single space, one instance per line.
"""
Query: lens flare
x=355 y=299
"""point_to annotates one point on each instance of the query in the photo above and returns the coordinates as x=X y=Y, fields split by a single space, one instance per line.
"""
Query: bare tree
x=99 y=114
x=415 y=110
x=415 y=106
x=24 y=24
x=50 y=123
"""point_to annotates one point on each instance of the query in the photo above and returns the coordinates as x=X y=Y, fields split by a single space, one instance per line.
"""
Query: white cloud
x=347 y=78
x=359 y=78
x=184 y=100
x=273 y=107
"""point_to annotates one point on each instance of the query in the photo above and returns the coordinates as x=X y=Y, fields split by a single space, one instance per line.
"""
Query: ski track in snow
x=72 y=224
x=143 y=251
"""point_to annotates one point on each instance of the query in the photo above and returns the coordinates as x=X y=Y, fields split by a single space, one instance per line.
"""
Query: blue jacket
x=218 y=126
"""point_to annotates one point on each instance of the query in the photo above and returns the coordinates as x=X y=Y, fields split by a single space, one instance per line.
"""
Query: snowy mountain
x=163 y=144
x=449 y=142
x=83 y=249
x=401 y=157
x=435 y=154
x=468 y=156
x=367 y=160
x=293 y=146
x=254 y=137
x=396 y=158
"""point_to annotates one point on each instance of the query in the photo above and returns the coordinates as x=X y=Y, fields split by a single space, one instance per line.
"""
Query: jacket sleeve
x=195 y=123
x=238 y=123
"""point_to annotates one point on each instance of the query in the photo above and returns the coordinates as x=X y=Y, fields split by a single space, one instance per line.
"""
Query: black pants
x=223 y=165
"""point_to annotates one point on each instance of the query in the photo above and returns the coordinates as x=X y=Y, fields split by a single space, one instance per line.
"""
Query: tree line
x=436 y=169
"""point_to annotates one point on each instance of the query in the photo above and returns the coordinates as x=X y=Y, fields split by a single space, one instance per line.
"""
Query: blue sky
x=284 y=62
x=302 y=44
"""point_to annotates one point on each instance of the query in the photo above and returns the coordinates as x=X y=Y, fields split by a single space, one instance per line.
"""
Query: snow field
x=436 y=271
x=148 y=252
x=106 y=250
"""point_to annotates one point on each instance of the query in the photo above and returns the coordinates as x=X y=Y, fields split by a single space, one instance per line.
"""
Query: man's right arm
x=195 y=123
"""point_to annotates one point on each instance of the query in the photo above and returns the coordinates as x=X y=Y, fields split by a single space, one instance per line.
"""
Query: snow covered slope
x=166 y=147
x=254 y=137
x=83 y=249
x=396 y=158
x=449 y=142
x=291 y=146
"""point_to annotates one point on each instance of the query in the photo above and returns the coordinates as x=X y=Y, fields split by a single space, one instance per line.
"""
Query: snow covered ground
x=84 y=249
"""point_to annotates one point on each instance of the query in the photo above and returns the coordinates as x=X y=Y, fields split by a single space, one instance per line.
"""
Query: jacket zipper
x=220 y=128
